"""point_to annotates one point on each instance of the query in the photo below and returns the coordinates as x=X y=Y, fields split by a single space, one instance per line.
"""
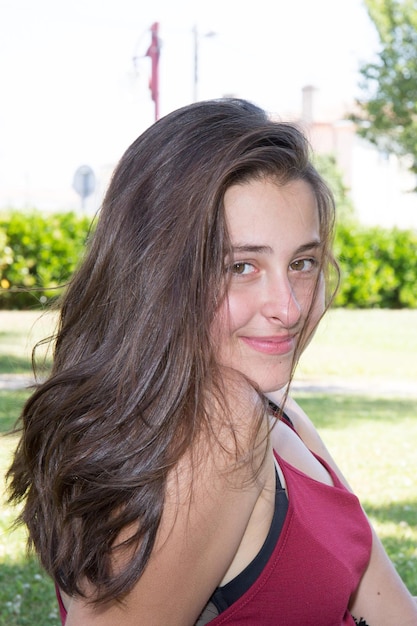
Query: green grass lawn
x=374 y=441
x=373 y=438
x=27 y=595
x=19 y=332
x=371 y=345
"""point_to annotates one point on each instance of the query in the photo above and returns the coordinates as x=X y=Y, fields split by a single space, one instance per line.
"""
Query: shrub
x=38 y=253
x=379 y=267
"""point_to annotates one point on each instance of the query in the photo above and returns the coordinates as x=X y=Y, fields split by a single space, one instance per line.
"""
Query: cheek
x=231 y=315
x=240 y=309
x=320 y=303
x=316 y=305
x=314 y=312
x=220 y=327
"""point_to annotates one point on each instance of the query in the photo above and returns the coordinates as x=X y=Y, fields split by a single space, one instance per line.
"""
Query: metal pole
x=196 y=42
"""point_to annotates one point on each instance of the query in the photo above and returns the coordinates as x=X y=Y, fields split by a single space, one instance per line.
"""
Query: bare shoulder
x=302 y=423
x=210 y=498
x=307 y=432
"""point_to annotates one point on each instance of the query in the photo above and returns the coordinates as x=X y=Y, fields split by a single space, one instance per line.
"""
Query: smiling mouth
x=271 y=345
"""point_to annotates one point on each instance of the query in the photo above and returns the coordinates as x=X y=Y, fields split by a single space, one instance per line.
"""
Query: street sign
x=84 y=181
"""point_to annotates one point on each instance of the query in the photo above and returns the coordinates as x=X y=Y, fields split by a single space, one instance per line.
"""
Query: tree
x=387 y=114
x=327 y=166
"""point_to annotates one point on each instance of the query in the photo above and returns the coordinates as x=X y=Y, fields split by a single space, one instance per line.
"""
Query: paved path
x=15 y=381
x=336 y=386
x=359 y=387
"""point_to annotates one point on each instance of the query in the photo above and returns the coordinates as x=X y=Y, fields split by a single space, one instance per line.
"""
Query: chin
x=269 y=386
x=278 y=387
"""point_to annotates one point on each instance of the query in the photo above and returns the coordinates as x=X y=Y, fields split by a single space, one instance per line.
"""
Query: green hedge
x=379 y=267
x=38 y=253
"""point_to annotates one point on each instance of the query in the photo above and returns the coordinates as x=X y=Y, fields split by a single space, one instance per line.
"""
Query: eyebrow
x=249 y=248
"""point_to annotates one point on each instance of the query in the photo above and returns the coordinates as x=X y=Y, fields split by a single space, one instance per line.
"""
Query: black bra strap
x=224 y=596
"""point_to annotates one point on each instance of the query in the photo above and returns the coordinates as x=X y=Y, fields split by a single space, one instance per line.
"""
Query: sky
x=74 y=76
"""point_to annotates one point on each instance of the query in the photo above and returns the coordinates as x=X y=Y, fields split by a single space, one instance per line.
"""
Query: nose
x=280 y=302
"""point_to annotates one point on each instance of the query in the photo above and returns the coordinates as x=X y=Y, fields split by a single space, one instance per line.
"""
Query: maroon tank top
x=321 y=554
x=322 y=551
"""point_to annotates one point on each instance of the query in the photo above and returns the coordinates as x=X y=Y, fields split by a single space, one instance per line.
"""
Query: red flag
x=153 y=52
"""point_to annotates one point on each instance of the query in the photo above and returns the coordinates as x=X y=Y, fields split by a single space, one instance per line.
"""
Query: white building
x=381 y=187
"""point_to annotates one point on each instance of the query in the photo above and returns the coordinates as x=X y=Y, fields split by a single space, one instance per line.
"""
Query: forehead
x=264 y=208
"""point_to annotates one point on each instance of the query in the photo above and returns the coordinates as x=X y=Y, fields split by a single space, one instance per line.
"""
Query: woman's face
x=274 y=268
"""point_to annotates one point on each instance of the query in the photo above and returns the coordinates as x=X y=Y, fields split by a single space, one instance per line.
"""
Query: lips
x=271 y=345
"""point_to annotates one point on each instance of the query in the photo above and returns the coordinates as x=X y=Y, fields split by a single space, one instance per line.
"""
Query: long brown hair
x=133 y=358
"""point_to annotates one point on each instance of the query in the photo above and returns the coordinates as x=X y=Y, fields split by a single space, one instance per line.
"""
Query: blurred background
x=81 y=79
x=75 y=81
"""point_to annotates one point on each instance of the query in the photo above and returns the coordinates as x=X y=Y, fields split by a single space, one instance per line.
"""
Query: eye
x=241 y=268
x=303 y=265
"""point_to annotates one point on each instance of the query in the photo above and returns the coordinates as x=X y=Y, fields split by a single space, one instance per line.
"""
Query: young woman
x=167 y=476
